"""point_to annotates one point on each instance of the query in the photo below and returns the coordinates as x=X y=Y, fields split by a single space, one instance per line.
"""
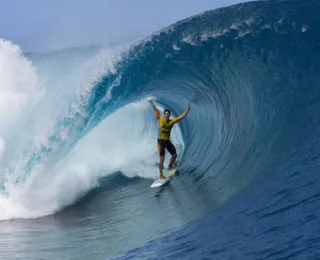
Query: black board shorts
x=166 y=144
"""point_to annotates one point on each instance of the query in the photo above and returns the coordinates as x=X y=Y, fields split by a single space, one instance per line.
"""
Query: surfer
x=165 y=126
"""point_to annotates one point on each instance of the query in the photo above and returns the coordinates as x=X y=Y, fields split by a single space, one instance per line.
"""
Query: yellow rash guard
x=165 y=126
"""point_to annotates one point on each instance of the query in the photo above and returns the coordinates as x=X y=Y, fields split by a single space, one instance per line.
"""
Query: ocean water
x=78 y=146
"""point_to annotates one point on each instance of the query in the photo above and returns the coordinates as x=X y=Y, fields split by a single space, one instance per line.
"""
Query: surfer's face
x=166 y=115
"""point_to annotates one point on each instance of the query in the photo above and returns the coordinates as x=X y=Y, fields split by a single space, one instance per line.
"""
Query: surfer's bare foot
x=173 y=166
x=162 y=177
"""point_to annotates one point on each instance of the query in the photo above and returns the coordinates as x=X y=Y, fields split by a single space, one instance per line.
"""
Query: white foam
x=2 y=147
x=19 y=87
x=304 y=28
x=175 y=47
x=31 y=104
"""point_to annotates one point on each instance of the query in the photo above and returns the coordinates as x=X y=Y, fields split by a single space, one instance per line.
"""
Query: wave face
x=250 y=72
x=250 y=79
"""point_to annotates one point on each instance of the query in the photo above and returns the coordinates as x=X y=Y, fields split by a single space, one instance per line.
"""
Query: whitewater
x=78 y=148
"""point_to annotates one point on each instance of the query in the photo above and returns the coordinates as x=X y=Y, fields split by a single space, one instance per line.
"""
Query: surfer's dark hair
x=167 y=110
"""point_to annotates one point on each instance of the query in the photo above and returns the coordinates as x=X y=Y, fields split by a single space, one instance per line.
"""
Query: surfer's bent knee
x=171 y=149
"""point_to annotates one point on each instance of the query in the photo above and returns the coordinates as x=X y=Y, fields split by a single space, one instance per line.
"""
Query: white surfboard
x=160 y=182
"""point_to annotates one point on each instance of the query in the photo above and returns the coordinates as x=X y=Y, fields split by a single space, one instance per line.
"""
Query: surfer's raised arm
x=179 y=118
x=185 y=112
x=157 y=113
x=153 y=106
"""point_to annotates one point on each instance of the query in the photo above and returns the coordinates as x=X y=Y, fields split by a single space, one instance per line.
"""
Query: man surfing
x=165 y=126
